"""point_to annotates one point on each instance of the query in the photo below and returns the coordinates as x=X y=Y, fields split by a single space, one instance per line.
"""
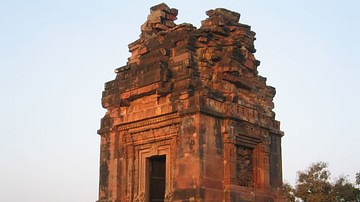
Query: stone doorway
x=157 y=178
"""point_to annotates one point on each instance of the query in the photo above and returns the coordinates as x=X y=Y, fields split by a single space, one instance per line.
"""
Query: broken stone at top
x=161 y=18
x=220 y=17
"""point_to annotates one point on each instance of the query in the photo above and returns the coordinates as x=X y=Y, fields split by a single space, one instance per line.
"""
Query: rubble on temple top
x=161 y=18
x=228 y=17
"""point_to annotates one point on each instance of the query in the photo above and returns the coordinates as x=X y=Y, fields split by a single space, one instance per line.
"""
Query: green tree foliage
x=343 y=190
x=313 y=185
x=288 y=193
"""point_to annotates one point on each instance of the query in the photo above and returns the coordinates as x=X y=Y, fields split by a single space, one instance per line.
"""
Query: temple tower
x=189 y=118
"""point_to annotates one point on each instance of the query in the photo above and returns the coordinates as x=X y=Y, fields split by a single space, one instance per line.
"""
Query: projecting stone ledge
x=191 y=105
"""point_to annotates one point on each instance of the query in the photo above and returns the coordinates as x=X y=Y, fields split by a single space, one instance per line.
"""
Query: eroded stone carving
x=244 y=166
x=140 y=197
x=169 y=196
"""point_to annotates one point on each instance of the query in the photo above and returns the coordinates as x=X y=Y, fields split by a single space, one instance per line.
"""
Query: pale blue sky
x=56 y=55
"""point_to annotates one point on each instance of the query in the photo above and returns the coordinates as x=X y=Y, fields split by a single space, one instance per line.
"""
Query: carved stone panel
x=245 y=166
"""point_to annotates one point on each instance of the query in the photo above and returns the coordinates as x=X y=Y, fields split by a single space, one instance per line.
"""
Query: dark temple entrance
x=157 y=173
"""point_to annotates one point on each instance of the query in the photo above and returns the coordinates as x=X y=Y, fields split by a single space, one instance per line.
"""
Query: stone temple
x=189 y=118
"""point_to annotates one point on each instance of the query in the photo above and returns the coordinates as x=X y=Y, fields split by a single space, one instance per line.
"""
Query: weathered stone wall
x=195 y=96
